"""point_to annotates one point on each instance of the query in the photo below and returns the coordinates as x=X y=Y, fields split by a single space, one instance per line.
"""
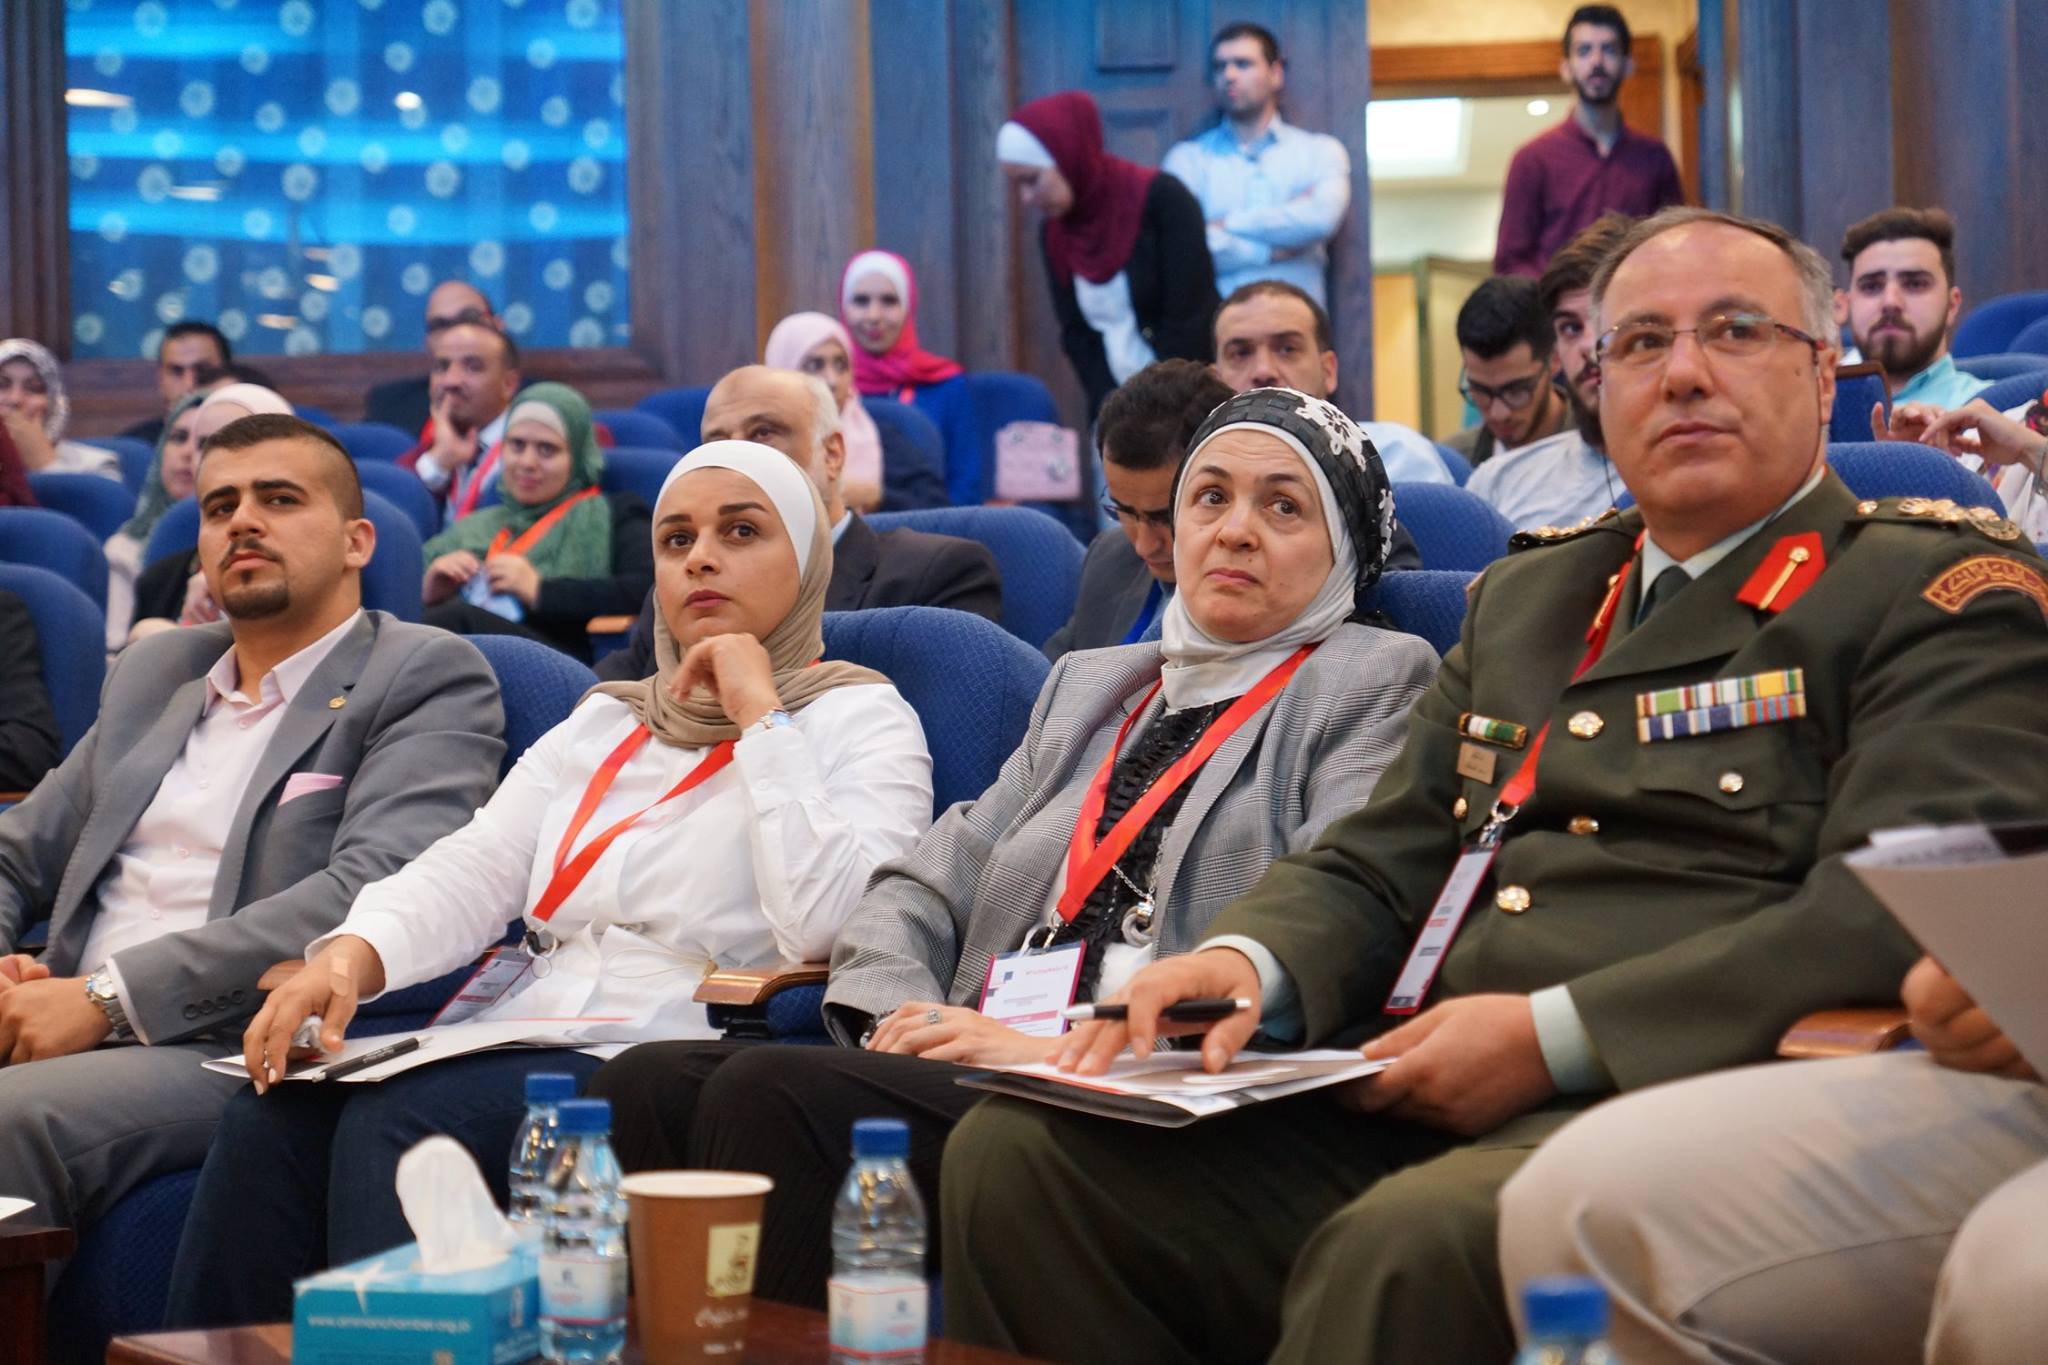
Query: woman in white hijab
x=728 y=810
x=35 y=409
x=1156 y=783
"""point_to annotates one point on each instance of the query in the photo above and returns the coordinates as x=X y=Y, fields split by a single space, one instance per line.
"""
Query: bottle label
x=583 y=1289
x=878 y=1317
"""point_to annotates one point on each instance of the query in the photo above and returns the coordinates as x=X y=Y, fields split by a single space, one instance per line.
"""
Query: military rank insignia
x=1720 y=704
x=1963 y=583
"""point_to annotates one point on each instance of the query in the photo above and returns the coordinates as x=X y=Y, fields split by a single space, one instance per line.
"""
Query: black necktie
x=1663 y=590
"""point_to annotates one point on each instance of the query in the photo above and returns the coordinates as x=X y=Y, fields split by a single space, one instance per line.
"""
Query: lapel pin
x=336 y=703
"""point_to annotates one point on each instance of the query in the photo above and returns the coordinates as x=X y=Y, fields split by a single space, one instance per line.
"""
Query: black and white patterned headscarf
x=1358 y=508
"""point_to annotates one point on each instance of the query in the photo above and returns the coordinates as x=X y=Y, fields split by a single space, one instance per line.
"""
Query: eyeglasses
x=1736 y=336
x=1160 y=519
x=1515 y=395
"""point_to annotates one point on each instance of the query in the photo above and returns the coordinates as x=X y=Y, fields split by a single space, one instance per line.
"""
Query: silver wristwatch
x=774 y=720
x=99 y=988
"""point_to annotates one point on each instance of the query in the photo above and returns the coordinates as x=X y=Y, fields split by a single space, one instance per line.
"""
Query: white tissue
x=450 y=1209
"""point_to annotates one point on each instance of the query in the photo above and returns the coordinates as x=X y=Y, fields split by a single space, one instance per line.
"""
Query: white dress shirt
x=484 y=466
x=1286 y=190
x=1107 y=307
x=161 y=882
x=1407 y=455
x=76 y=457
x=765 y=859
x=1557 y=481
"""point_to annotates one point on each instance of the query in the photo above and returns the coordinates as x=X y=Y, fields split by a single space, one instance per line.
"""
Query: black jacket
x=898 y=568
x=28 y=727
x=1173 y=291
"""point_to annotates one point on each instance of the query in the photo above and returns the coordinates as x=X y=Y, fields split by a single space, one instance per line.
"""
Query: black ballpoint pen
x=1181 y=1012
x=369 y=1059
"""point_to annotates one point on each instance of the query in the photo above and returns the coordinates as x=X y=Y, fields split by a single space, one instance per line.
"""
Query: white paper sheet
x=1176 y=1078
x=438 y=1043
x=10 y=1206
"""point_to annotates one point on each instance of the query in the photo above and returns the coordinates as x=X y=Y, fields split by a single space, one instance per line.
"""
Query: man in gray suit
x=1144 y=428
x=244 y=781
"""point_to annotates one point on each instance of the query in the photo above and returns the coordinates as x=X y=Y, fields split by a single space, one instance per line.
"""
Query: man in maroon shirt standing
x=1562 y=180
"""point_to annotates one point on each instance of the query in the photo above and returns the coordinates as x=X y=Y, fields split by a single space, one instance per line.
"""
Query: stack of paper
x=1170 y=1089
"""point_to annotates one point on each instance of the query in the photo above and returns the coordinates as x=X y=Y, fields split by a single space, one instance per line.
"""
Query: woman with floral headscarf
x=1126 y=250
x=555 y=550
x=36 y=409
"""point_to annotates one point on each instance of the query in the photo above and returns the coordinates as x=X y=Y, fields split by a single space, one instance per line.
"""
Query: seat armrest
x=12 y=798
x=609 y=625
x=24 y=1252
x=743 y=986
x=1845 y=1033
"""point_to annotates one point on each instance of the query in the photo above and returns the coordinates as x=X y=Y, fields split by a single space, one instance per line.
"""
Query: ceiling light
x=1417 y=139
x=406 y=99
x=82 y=98
x=1538 y=108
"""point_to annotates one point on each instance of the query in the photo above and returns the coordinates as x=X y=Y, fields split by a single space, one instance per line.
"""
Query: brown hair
x=1901 y=225
x=1576 y=261
x=342 y=480
x=1280 y=289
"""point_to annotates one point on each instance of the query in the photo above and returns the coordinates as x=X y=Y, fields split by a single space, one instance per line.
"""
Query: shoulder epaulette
x=1552 y=535
x=1938 y=512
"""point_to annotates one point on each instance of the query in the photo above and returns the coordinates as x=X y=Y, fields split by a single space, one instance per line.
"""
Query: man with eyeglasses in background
x=1505 y=347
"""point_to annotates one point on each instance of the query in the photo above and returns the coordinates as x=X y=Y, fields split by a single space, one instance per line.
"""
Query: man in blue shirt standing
x=1273 y=194
x=1902 y=303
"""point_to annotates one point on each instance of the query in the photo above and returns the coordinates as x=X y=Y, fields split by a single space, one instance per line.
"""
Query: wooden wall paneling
x=1956 y=133
x=1715 y=188
x=1514 y=67
x=1844 y=137
x=992 y=259
x=1137 y=35
x=910 y=59
x=814 y=185
x=1346 y=72
x=2030 y=155
x=690 y=187
x=35 y=262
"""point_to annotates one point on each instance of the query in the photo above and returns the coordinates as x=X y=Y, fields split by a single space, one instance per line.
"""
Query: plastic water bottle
x=1567 y=1317
x=583 y=1250
x=880 y=1304
x=533 y=1149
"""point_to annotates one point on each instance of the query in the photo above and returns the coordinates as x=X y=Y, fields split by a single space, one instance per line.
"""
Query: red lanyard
x=569 y=873
x=484 y=469
x=1089 y=862
x=503 y=543
x=1515 y=793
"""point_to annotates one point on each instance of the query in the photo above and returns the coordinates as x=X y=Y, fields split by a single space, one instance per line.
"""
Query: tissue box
x=385 y=1310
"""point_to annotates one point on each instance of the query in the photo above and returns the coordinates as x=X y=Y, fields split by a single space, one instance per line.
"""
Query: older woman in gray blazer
x=1154 y=785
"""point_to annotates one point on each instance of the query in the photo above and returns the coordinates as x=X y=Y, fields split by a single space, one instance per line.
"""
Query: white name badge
x=1027 y=990
x=501 y=971
x=1440 y=928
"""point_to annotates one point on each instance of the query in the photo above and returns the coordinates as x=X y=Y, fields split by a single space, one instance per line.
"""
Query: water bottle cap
x=549 y=1087
x=881 y=1138
x=585 y=1116
x=1566 y=1306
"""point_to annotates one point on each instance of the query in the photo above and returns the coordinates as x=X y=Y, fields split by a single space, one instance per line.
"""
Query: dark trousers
x=786 y=1112
x=1295 y=1232
x=464 y=617
x=302 y=1178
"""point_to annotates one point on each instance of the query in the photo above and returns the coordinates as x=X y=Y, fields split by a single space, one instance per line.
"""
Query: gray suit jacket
x=981 y=878
x=416 y=741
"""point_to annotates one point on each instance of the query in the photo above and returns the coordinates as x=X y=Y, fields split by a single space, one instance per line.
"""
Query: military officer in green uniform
x=1729 y=686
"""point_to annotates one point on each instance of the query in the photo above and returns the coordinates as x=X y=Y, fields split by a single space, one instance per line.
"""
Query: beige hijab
x=797 y=640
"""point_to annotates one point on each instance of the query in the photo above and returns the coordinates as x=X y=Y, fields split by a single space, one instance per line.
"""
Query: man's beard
x=1587 y=419
x=1904 y=354
x=1586 y=97
x=256 y=601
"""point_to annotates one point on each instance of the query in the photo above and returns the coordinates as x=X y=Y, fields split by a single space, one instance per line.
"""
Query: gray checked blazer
x=981 y=878
x=416 y=739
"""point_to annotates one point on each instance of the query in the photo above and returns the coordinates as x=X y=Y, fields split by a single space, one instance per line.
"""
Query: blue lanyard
x=1145 y=615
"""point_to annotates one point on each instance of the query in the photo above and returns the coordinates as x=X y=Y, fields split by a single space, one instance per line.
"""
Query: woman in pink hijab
x=878 y=303
x=816 y=345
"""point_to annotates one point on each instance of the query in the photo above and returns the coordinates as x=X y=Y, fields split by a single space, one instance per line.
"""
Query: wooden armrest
x=609 y=625
x=12 y=798
x=1845 y=1033
x=279 y=973
x=753 y=985
x=24 y=1253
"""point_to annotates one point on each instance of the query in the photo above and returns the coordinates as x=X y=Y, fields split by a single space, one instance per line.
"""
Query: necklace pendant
x=1138 y=923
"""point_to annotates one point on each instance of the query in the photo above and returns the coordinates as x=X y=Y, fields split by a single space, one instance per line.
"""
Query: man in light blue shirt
x=1273 y=194
x=1902 y=302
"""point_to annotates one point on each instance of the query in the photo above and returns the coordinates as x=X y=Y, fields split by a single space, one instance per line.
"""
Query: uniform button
x=1731 y=782
x=1458 y=808
x=1585 y=725
x=1583 y=824
x=1865 y=508
x=191 y=1011
x=1512 y=900
x=238 y=997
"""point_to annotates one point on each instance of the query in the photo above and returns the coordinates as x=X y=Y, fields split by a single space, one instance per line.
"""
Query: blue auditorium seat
x=1425 y=602
x=71 y=635
x=631 y=469
x=636 y=427
x=319 y=417
x=1992 y=325
x=136 y=457
x=1900 y=469
x=2003 y=365
x=1453 y=529
x=2032 y=340
x=402 y=489
x=391 y=580
x=379 y=441
x=913 y=456
x=1040 y=562
x=101 y=506
x=1460 y=467
x=51 y=540
x=1850 y=420
x=2015 y=391
x=118 y=1281
x=682 y=409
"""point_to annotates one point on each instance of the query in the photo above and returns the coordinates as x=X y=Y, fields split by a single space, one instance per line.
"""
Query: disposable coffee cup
x=695 y=1237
